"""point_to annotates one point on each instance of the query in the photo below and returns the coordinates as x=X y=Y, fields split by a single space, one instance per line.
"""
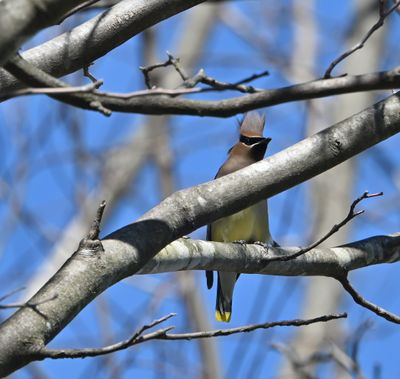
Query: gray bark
x=21 y=19
x=185 y=254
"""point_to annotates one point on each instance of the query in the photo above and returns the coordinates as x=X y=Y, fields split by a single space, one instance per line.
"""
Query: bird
x=248 y=225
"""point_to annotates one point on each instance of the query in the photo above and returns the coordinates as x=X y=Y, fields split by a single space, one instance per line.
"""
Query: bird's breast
x=250 y=224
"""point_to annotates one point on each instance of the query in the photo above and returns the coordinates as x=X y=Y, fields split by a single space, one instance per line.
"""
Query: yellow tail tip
x=223 y=317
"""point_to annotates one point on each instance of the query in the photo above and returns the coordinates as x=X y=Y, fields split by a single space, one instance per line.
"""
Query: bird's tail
x=223 y=306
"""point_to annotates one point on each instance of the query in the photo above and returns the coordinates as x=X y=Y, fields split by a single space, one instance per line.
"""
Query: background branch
x=383 y=14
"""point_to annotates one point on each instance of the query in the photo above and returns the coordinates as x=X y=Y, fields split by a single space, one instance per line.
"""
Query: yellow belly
x=250 y=224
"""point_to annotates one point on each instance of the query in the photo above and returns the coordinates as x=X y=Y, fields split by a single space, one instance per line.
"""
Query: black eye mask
x=250 y=140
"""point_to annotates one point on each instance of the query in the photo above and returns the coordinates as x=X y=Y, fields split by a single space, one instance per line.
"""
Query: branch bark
x=164 y=105
x=21 y=19
x=186 y=254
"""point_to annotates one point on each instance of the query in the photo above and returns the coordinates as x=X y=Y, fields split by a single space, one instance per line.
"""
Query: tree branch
x=232 y=106
x=162 y=334
x=164 y=101
x=382 y=16
x=352 y=214
x=35 y=77
x=365 y=303
x=51 y=90
x=186 y=254
x=21 y=19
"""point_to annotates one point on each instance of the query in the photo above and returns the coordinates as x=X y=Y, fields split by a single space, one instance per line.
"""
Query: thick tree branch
x=232 y=106
x=86 y=274
x=186 y=254
x=21 y=19
x=157 y=101
x=93 y=39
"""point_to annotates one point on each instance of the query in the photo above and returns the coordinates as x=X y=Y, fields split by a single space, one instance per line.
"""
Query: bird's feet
x=240 y=242
x=265 y=245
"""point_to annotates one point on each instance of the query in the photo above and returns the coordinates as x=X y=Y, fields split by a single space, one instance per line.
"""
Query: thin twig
x=352 y=214
x=11 y=293
x=88 y=74
x=382 y=16
x=215 y=84
x=171 y=61
x=32 y=305
x=95 y=227
x=357 y=337
x=397 y=9
x=346 y=362
x=52 y=91
x=335 y=354
x=91 y=243
x=162 y=334
x=201 y=77
x=365 y=303
x=151 y=92
x=34 y=76
x=297 y=364
x=77 y=9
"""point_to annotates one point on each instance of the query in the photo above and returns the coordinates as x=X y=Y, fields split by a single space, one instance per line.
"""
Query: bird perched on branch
x=250 y=224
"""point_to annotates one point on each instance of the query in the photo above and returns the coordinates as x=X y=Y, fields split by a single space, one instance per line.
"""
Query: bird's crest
x=252 y=124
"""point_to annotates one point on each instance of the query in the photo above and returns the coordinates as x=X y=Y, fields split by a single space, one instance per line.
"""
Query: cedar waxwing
x=250 y=224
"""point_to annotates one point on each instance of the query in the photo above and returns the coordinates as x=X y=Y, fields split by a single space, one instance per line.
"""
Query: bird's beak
x=264 y=141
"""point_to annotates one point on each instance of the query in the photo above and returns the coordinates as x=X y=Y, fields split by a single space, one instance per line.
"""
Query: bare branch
x=171 y=61
x=51 y=90
x=162 y=334
x=382 y=16
x=11 y=293
x=31 y=304
x=334 y=354
x=200 y=77
x=95 y=228
x=87 y=73
x=143 y=101
x=215 y=84
x=365 y=303
x=21 y=19
x=32 y=75
x=357 y=337
x=91 y=244
x=334 y=229
x=78 y=8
